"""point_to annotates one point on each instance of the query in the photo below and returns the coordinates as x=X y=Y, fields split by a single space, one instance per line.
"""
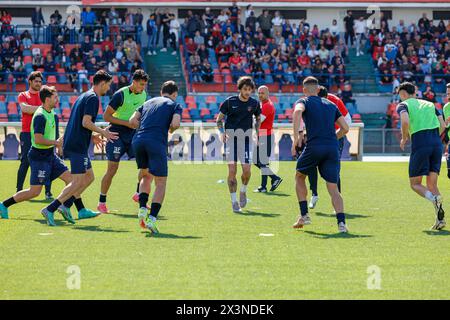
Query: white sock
x=429 y=196
x=233 y=197
x=244 y=188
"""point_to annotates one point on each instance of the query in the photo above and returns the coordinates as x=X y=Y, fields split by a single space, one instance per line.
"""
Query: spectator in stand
x=76 y=54
x=386 y=78
x=72 y=75
x=207 y=72
x=131 y=49
x=123 y=82
x=49 y=64
x=25 y=37
x=429 y=95
x=38 y=61
x=165 y=20
x=347 y=97
x=349 y=22
x=360 y=32
x=86 y=46
x=70 y=25
x=138 y=20
x=37 y=19
x=82 y=78
x=334 y=29
x=113 y=17
x=223 y=17
x=203 y=52
x=92 y=66
x=19 y=69
x=174 y=32
x=199 y=39
x=277 y=23
x=56 y=17
x=234 y=12
x=265 y=23
x=191 y=47
x=195 y=63
x=113 y=66
x=151 y=34
x=88 y=18
x=123 y=65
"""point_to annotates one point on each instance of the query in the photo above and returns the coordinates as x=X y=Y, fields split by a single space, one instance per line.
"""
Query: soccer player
x=239 y=112
x=153 y=121
x=321 y=150
x=29 y=102
x=77 y=138
x=446 y=111
x=45 y=164
x=264 y=146
x=118 y=113
x=313 y=177
x=422 y=122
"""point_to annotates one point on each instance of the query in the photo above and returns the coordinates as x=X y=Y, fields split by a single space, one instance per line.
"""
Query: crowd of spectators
x=270 y=48
x=116 y=49
x=419 y=53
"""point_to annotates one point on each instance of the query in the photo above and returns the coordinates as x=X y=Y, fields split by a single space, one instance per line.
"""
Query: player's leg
x=144 y=192
x=432 y=185
x=275 y=180
x=111 y=171
x=25 y=145
x=305 y=163
x=313 y=178
x=263 y=187
x=232 y=186
x=23 y=195
x=83 y=212
x=245 y=179
x=341 y=149
x=329 y=170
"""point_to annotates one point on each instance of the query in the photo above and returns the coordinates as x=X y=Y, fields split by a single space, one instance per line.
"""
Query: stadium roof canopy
x=256 y=3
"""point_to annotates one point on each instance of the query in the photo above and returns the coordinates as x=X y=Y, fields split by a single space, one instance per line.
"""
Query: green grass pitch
x=205 y=251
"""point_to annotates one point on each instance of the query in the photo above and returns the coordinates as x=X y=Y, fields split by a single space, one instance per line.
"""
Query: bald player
x=265 y=140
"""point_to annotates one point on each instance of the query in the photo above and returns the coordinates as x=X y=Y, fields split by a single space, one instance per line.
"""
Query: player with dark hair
x=29 y=102
x=423 y=124
x=313 y=177
x=77 y=138
x=44 y=163
x=321 y=150
x=153 y=120
x=118 y=113
x=237 y=135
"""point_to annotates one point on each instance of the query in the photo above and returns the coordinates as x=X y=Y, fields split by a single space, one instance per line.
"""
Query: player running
x=153 y=121
x=321 y=150
x=237 y=135
x=313 y=177
x=77 y=138
x=45 y=164
x=422 y=123
x=446 y=110
x=265 y=139
x=29 y=102
x=118 y=113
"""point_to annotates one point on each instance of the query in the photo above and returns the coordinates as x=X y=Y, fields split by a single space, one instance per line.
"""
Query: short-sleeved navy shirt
x=77 y=138
x=239 y=114
x=39 y=127
x=424 y=138
x=319 y=116
x=156 y=117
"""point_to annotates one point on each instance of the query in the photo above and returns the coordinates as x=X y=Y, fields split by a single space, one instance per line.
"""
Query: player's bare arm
x=404 y=116
x=135 y=120
x=296 y=119
x=257 y=124
x=109 y=117
x=88 y=124
x=175 y=124
x=220 y=126
x=25 y=107
x=343 y=127
x=442 y=125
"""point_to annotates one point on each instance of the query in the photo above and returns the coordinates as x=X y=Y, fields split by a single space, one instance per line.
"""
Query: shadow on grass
x=437 y=232
x=98 y=229
x=347 y=215
x=130 y=215
x=261 y=214
x=169 y=236
x=336 y=235
x=40 y=201
x=276 y=194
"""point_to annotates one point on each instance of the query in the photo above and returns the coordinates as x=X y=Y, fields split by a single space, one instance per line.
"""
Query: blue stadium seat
x=195 y=114
x=65 y=105
x=11 y=98
x=3 y=109
x=64 y=98
x=200 y=99
x=201 y=105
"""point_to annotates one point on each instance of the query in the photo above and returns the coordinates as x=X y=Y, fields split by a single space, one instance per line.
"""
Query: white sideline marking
x=388 y=158
x=45 y=234
x=266 y=234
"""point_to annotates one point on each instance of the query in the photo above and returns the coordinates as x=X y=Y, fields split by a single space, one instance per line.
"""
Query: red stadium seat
x=2 y=98
x=51 y=80
x=274 y=99
x=204 y=112
x=356 y=118
x=218 y=78
x=27 y=59
x=189 y=99
x=211 y=99
x=45 y=48
x=12 y=108
x=228 y=79
x=72 y=99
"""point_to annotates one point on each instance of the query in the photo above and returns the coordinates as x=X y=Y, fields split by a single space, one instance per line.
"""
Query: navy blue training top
x=239 y=114
x=77 y=138
x=156 y=117
x=319 y=116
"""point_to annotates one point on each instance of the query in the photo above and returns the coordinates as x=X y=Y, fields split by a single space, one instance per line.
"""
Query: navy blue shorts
x=46 y=170
x=424 y=160
x=325 y=158
x=152 y=156
x=238 y=149
x=79 y=163
x=117 y=148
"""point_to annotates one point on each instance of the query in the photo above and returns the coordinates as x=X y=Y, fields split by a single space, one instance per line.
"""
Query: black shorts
x=424 y=160
x=325 y=158
x=238 y=149
x=264 y=150
x=152 y=156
